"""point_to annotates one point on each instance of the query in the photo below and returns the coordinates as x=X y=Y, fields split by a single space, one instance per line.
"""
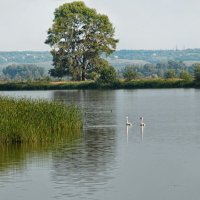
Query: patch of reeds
x=27 y=120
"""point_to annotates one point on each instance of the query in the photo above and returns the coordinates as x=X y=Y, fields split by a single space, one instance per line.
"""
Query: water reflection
x=17 y=156
x=98 y=108
x=134 y=131
x=127 y=130
x=142 y=131
x=88 y=166
x=14 y=157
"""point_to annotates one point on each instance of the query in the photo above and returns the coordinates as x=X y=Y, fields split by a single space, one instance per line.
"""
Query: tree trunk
x=83 y=73
x=83 y=76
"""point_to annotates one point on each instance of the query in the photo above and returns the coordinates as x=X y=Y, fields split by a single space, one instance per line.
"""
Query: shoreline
x=89 y=85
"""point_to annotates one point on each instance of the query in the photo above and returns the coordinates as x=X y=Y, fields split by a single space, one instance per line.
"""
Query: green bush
x=107 y=75
x=185 y=75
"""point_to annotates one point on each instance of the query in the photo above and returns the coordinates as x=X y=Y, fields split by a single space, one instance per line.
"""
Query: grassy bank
x=41 y=85
x=155 y=83
x=36 y=121
x=119 y=84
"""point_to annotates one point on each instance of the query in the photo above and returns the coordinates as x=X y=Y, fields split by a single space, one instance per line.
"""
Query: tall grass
x=27 y=120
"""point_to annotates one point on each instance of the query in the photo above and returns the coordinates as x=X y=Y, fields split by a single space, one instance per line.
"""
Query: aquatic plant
x=27 y=120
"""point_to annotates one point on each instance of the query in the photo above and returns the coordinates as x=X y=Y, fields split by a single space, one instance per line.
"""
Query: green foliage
x=185 y=75
x=155 y=83
x=23 y=72
x=160 y=69
x=171 y=73
x=129 y=73
x=26 y=120
x=78 y=37
x=107 y=75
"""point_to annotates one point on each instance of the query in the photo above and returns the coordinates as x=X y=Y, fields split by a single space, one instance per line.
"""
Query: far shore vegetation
x=168 y=75
x=116 y=84
x=37 y=121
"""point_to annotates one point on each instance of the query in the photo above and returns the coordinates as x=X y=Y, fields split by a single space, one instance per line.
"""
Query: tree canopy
x=78 y=37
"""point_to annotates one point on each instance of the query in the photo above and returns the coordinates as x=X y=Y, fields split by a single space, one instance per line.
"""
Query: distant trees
x=185 y=75
x=167 y=69
x=23 y=72
x=78 y=37
x=171 y=73
x=129 y=73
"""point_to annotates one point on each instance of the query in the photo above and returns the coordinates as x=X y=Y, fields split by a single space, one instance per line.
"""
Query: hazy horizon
x=139 y=24
x=116 y=50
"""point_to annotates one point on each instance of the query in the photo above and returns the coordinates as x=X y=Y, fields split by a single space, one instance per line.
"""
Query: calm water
x=110 y=161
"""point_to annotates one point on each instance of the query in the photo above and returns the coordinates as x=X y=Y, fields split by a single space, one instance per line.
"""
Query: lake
x=110 y=161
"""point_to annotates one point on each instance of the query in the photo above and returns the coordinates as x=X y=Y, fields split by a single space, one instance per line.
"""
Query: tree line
x=168 y=69
x=22 y=72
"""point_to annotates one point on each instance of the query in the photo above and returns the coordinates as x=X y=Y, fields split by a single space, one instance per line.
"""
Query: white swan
x=127 y=122
x=141 y=122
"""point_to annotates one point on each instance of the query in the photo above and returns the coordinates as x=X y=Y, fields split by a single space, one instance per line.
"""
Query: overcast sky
x=139 y=24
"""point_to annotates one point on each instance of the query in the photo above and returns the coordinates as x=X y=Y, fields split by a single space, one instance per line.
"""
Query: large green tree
x=79 y=37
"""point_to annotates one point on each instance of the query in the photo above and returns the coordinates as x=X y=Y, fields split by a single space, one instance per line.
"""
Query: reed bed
x=37 y=121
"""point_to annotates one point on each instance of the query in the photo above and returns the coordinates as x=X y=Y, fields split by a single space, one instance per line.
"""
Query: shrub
x=185 y=75
x=107 y=75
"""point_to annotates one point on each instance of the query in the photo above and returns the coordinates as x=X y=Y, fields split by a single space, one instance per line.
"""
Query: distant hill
x=155 y=56
x=119 y=58
x=40 y=58
x=24 y=57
